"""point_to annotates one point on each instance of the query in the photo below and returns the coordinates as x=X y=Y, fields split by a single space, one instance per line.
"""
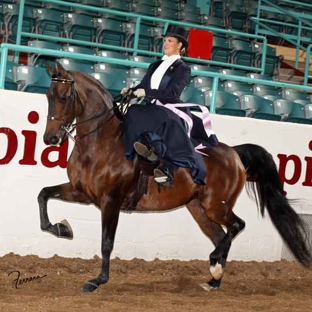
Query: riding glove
x=124 y=91
x=139 y=93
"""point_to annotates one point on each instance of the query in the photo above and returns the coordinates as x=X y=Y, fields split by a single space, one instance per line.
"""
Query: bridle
x=68 y=128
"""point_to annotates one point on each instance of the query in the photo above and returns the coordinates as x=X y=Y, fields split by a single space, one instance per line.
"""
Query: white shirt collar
x=171 y=58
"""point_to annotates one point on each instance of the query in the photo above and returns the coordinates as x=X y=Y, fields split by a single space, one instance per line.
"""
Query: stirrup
x=163 y=178
x=145 y=152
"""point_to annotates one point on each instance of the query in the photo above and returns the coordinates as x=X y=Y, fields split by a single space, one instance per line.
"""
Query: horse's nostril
x=54 y=140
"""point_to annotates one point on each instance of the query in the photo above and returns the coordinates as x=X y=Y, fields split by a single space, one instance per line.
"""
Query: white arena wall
x=171 y=235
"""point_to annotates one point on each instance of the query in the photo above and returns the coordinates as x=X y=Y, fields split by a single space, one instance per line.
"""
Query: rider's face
x=172 y=46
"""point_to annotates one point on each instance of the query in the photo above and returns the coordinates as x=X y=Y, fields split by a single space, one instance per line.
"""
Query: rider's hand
x=139 y=93
x=124 y=91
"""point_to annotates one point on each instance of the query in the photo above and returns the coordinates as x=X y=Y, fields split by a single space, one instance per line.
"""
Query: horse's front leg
x=63 y=192
x=110 y=215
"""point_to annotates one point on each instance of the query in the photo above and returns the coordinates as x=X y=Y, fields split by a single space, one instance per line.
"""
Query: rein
x=119 y=110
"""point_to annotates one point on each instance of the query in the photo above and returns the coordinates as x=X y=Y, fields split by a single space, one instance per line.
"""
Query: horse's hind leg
x=221 y=213
x=63 y=192
x=211 y=229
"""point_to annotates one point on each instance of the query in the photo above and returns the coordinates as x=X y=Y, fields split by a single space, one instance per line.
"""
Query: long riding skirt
x=165 y=132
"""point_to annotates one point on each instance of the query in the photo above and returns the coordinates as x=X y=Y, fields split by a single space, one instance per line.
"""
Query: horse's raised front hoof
x=89 y=287
x=65 y=230
x=62 y=230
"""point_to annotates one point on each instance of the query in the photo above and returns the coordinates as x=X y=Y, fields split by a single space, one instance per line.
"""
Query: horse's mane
x=107 y=96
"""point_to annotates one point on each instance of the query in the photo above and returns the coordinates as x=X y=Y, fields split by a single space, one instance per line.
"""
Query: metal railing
x=5 y=47
x=304 y=22
x=139 y=18
x=307 y=66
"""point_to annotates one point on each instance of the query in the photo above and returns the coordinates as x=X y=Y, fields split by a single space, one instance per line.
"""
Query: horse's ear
x=60 y=68
x=51 y=69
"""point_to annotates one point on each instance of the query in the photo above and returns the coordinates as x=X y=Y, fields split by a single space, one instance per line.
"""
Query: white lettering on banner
x=27 y=165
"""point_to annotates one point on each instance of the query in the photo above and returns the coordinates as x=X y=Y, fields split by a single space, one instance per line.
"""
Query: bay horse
x=99 y=174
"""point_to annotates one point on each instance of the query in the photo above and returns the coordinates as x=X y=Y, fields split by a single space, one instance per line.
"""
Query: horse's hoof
x=211 y=285
x=216 y=271
x=89 y=287
x=205 y=286
x=64 y=230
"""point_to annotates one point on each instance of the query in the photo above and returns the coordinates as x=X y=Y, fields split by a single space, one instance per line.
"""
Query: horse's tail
x=268 y=192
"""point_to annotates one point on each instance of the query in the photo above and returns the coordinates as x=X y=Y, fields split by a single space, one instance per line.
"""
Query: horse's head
x=64 y=104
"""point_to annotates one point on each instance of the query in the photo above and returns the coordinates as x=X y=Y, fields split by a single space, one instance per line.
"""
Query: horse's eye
x=63 y=99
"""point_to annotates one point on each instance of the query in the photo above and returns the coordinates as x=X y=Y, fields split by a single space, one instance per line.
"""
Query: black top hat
x=177 y=32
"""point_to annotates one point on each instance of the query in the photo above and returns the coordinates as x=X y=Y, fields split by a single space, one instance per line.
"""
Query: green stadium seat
x=217 y=8
x=233 y=72
x=242 y=53
x=258 y=48
x=190 y=6
x=112 y=79
x=236 y=15
x=48 y=22
x=9 y=74
x=77 y=65
x=263 y=90
x=111 y=54
x=291 y=111
x=168 y=14
x=214 y=21
x=146 y=40
x=144 y=9
x=272 y=97
x=40 y=60
x=202 y=83
x=121 y=5
x=189 y=17
x=172 y=5
x=144 y=59
x=58 y=7
x=220 y=49
x=93 y=3
x=193 y=95
x=291 y=95
x=258 y=76
x=78 y=49
x=109 y=31
x=97 y=3
x=273 y=62
x=195 y=67
x=79 y=27
x=136 y=74
x=9 y=83
x=9 y=21
x=33 y=79
x=236 y=86
x=155 y=3
x=258 y=107
x=308 y=111
x=303 y=102
x=226 y=103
